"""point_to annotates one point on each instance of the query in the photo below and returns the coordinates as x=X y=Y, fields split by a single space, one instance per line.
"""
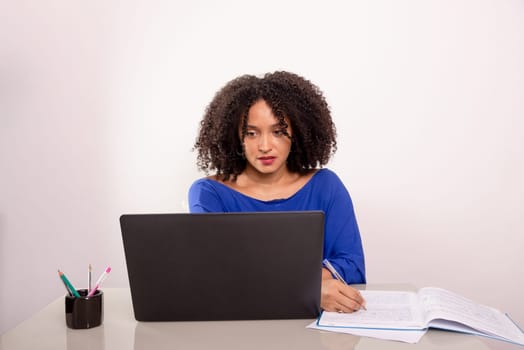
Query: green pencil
x=68 y=284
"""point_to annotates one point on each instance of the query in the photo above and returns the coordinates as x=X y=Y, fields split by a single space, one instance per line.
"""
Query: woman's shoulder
x=326 y=175
x=208 y=181
x=327 y=180
x=205 y=179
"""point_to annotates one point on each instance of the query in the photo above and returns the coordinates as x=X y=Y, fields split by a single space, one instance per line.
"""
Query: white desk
x=47 y=330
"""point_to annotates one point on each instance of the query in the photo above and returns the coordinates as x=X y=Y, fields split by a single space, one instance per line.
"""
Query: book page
x=442 y=304
x=385 y=310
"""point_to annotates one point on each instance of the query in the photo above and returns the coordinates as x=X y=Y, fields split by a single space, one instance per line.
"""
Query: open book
x=429 y=307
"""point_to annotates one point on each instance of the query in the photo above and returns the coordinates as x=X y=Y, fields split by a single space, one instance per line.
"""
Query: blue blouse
x=324 y=191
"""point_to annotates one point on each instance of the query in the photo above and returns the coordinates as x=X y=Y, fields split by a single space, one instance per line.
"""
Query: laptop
x=224 y=266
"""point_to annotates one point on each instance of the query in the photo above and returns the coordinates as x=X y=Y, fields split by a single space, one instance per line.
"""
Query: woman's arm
x=343 y=245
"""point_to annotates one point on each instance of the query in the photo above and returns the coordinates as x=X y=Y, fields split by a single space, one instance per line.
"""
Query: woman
x=267 y=139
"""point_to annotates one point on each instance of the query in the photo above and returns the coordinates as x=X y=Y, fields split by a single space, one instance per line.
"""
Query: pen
x=89 y=279
x=68 y=284
x=335 y=273
x=101 y=279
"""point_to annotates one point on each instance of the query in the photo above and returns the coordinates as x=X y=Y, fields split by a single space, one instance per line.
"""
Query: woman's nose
x=264 y=143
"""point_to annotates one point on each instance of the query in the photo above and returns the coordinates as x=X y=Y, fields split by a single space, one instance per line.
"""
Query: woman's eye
x=279 y=132
x=251 y=133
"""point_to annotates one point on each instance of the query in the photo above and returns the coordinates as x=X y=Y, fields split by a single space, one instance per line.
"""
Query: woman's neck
x=268 y=187
x=251 y=177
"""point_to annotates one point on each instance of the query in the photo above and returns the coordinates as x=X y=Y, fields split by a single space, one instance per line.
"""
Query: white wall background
x=100 y=103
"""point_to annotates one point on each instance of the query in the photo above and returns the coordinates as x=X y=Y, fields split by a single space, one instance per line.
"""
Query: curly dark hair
x=313 y=139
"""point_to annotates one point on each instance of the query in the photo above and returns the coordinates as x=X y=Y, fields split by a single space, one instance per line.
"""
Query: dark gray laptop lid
x=224 y=266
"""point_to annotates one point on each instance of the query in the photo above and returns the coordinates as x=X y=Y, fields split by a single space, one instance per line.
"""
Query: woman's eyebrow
x=274 y=126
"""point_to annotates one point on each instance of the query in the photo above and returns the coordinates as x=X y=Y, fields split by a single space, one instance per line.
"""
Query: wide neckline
x=277 y=200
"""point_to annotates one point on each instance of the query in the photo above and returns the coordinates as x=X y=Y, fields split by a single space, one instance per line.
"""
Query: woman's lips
x=266 y=160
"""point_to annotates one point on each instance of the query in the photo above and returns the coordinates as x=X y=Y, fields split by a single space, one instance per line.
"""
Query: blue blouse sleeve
x=343 y=245
x=203 y=198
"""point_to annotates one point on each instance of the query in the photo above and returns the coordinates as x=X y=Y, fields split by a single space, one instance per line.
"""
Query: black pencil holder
x=84 y=312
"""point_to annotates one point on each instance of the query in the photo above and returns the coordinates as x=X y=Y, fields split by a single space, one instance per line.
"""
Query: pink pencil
x=99 y=281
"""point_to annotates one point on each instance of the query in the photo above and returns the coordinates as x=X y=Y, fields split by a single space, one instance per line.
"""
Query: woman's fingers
x=354 y=294
x=338 y=297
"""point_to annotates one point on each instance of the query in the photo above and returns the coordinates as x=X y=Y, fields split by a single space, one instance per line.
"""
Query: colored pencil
x=68 y=284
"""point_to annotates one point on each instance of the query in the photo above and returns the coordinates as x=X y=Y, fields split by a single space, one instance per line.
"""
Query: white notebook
x=428 y=308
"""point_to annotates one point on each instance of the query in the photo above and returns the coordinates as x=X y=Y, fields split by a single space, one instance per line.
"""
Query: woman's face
x=266 y=144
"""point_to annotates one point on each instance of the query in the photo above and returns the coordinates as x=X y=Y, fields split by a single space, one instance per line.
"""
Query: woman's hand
x=338 y=297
